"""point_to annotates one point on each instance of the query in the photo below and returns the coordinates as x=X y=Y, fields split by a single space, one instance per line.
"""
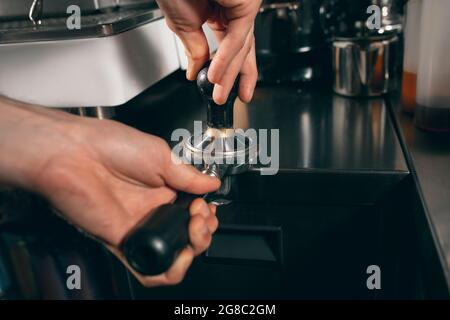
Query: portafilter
x=152 y=246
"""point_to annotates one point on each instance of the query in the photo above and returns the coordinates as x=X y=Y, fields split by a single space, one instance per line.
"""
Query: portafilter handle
x=152 y=246
x=218 y=116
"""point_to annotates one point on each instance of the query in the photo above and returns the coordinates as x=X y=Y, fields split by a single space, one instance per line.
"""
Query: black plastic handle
x=218 y=116
x=152 y=246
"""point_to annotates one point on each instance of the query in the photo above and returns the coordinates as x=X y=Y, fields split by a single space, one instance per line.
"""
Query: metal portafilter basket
x=152 y=246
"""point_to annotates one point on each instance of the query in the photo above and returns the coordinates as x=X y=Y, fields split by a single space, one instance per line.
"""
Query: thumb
x=184 y=177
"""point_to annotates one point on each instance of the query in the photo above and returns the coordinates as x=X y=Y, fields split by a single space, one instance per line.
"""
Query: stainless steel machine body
x=122 y=48
x=14 y=9
x=114 y=57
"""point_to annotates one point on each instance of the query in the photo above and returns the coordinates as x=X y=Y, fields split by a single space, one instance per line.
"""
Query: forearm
x=26 y=133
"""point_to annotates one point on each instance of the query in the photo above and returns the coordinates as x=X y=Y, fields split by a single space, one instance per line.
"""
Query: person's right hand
x=232 y=22
x=102 y=176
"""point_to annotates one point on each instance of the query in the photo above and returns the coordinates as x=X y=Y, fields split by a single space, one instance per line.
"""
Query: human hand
x=102 y=176
x=232 y=22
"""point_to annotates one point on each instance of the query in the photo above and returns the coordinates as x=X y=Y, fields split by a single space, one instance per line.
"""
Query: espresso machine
x=344 y=198
x=121 y=48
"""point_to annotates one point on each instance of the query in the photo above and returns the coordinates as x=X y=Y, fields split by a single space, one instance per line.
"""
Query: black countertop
x=322 y=132
x=334 y=140
x=334 y=197
x=333 y=151
x=318 y=129
x=428 y=155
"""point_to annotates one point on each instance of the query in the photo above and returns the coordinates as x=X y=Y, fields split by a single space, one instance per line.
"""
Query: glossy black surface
x=318 y=130
x=344 y=199
x=37 y=247
x=151 y=246
x=331 y=141
x=218 y=116
x=94 y=25
x=341 y=201
x=429 y=157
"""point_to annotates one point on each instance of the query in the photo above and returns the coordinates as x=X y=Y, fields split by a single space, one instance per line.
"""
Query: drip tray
x=260 y=246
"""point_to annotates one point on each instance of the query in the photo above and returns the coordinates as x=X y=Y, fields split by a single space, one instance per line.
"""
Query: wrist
x=28 y=140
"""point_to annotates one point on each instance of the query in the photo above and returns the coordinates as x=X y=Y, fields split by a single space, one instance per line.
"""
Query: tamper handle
x=218 y=116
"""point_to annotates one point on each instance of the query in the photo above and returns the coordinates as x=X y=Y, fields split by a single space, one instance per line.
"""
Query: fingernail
x=188 y=74
x=217 y=98
x=251 y=92
x=213 y=208
x=189 y=71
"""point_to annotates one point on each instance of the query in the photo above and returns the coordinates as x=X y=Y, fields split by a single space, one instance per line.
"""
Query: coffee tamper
x=152 y=246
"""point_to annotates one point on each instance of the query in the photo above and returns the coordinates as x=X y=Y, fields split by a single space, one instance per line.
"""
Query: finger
x=249 y=76
x=173 y=276
x=183 y=177
x=213 y=224
x=199 y=234
x=199 y=206
x=197 y=50
x=200 y=239
x=213 y=208
x=232 y=43
x=207 y=211
x=223 y=87
x=179 y=268
x=149 y=160
x=212 y=221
